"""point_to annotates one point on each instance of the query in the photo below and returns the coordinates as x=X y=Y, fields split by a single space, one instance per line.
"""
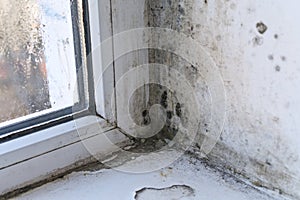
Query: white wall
x=260 y=72
x=128 y=16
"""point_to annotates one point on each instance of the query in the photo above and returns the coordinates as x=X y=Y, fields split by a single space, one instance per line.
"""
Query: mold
x=268 y=163
x=146 y=117
x=164 y=99
x=181 y=10
x=192 y=28
x=145 y=113
x=178 y=110
x=260 y=33
x=194 y=68
x=257 y=41
x=261 y=27
x=169 y=114
x=283 y=58
x=276 y=119
x=270 y=57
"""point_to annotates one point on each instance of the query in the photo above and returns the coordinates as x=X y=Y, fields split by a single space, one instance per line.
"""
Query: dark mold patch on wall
x=270 y=57
x=164 y=99
x=258 y=41
x=283 y=58
x=261 y=27
x=214 y=27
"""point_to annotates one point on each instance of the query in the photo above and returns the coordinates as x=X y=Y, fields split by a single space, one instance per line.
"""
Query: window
x=48 y=78
x=42 y=73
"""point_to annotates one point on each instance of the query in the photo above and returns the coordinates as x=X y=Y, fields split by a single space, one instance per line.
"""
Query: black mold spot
x=261 y=27
x=181 y=10
x=283 y=58
x=163 y=100
x=194 y=68
x=174 y=129
x=178 y=110
x=146 y=120
x=268 y=163
x=257 y=41
x=169 y=114
x=205 y=1
x=145 y=113
x=271 y=57
x=276 y=36
x=277 y=68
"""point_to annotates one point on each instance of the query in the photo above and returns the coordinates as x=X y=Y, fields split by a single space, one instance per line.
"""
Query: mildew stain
x=164 y=99
x=257 y=41
x=270 y=57
x=261 y=27
x=283 y=58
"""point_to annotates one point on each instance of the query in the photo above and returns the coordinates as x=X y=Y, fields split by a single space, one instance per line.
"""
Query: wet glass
x=37 y=59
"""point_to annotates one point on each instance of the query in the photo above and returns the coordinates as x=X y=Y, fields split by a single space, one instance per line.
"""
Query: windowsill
x=187 y=178
x=52 y=151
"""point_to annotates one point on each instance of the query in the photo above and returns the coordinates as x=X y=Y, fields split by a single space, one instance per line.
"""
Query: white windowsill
x=35 y=157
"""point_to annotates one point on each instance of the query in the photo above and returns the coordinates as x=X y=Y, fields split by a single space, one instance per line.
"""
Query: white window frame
x=54 y=151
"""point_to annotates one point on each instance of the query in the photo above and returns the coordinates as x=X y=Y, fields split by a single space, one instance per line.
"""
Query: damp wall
x=255 y=46
x=254 y=49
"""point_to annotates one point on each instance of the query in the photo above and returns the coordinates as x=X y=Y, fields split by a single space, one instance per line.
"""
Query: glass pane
x=37 y=59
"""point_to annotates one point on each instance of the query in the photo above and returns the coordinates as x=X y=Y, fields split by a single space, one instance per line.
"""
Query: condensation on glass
x=37 y=62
